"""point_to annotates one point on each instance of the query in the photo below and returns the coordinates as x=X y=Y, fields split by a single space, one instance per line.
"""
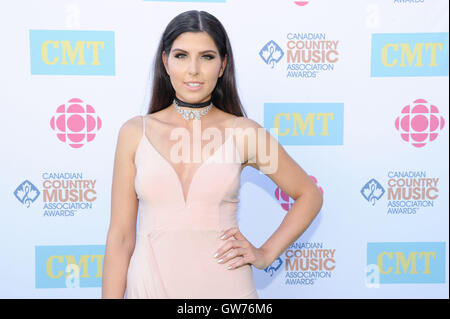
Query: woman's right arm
x=121 y=237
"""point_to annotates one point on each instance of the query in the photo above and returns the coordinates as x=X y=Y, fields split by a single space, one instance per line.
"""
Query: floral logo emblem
x=26 y=193
x=372 y=191
x=274 y=266
x=271 y=53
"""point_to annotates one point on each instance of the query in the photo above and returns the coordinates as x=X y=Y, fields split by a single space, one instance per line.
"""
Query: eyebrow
x=202 y=52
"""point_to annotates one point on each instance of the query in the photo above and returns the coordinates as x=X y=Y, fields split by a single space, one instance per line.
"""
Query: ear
x=224 y=64
x=164 y=60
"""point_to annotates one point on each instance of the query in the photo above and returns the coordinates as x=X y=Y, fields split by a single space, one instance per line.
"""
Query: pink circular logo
x=75 y=123
x=285 y=201
x=419 y=123
x=315 y=181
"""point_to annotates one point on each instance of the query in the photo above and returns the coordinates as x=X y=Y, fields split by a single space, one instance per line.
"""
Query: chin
x=194 y=98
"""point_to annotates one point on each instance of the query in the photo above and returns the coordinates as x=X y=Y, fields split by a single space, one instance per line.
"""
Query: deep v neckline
x=172 y=169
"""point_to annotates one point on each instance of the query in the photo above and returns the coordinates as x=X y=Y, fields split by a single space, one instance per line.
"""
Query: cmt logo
x=409 y=54
x=61 y=52
x=306 y=123
x=69 y=266
x=26 y=193
x=410 y=262
x=271 y=53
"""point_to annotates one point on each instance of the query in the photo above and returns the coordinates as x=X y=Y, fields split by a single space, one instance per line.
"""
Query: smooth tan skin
x=290 y=177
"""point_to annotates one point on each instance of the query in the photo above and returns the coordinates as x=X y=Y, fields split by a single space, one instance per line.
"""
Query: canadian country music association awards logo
x=372 y=191
x=67 y=194
x=305 y=263
x=409 y=2
x=64 y=194
x=26 y=193
x=307 y=54
x=419 y=123
x=285 y=201
x=274 y=266
x=271 y=53
x=75 y=123
x=408 y=192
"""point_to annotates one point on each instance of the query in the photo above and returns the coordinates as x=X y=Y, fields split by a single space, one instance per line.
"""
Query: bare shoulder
x=247 y=132
x=131 y=126
x=129 y=135
x=245 y=123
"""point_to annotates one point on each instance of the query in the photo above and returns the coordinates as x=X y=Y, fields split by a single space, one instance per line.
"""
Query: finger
x=226 y=233
x=222 y=251
x=242 y=261
x=232 y=253
x=234 y=231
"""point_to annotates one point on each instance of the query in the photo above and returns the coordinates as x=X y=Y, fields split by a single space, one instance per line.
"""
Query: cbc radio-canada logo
x=285 y=201
x=75 y=123
x=419 y=123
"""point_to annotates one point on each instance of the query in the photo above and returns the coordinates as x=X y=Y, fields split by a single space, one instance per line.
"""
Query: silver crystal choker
x=190 y=114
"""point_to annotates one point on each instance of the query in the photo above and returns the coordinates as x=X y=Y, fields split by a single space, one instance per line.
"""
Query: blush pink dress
x=177 y=237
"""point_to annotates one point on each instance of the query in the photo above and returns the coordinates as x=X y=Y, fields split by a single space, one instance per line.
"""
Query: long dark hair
x=224 y=95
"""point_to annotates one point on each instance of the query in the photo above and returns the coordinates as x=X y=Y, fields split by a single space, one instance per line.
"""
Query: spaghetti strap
x=143 y=125
x=235 y=121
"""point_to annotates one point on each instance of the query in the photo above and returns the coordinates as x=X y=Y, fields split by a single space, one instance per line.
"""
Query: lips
x=193 y=85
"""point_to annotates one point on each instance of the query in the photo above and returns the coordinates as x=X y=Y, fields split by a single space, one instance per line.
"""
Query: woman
x=187 y=243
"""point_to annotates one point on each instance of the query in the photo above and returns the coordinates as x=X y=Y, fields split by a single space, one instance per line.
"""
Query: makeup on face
x=194 y=65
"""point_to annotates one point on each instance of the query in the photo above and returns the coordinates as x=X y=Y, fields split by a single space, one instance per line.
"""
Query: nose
x=193 y=67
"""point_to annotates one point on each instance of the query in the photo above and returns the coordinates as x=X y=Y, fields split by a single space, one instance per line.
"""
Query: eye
x=179 y=55
x=209 y=57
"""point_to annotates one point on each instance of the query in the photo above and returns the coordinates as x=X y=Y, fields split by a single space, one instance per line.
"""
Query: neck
x=192 y=105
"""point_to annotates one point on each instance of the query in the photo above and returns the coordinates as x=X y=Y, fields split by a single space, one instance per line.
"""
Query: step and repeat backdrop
x=359 y=93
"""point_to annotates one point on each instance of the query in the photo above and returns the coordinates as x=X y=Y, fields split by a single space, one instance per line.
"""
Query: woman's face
x=194 y=65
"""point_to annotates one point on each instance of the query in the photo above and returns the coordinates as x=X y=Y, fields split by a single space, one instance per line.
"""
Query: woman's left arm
x=293 y=181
